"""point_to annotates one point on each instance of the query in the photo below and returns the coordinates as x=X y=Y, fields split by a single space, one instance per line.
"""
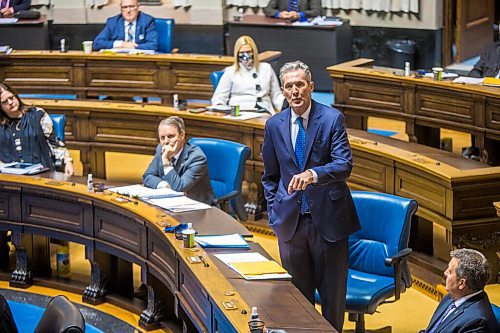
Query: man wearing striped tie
x=9 y=7
x=132 y=29
x=307 y=160
x=293 y=10
x=466 y=308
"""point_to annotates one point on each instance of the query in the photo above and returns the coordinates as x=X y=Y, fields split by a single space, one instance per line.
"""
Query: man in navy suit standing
x=307 y=159
x=132 y=29
x=466 y=308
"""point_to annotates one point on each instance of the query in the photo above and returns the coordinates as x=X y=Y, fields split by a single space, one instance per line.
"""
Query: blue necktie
x=450 y=308
x=293 y=5
x=300 y=144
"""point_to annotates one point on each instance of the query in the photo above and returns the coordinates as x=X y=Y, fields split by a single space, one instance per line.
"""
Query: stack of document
x=234 y=241
x=143 y=192
x=179 y=204
x=253 y=266
x=17 y=168
x=491 y=81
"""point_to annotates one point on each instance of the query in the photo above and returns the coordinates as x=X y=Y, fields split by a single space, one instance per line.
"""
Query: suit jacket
x=328 y=153
x=18 y=5
x=489 y=62
x=474 y=315
x=146 y=35
x=311 y=8
x=190 y=174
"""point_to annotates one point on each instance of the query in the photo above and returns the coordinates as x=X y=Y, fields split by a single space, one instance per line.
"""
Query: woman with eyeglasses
x=27 y=134
x=249 y=83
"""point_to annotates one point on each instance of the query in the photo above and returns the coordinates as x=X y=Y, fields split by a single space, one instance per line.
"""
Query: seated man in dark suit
x=489 y=63
x=178 y=164
x=8 y=8
x=466 y=308
x=294 y=10
x=132 y=29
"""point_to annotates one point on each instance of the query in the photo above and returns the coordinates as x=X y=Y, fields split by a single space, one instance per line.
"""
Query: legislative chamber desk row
x=455 y=195
x=132 y=232
x=116 y=76
x=363 y=90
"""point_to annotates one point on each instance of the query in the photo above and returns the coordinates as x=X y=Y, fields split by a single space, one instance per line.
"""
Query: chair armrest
x=226 y=197
x=396 y=261
x=398 y=257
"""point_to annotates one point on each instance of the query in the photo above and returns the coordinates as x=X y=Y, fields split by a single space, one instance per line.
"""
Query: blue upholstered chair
x=71 y=97
x=496 y=312
x=377 y=253
x=165 y=29
x=61 y=315
x=226 y=167
x=59 y=121
x=215 y=78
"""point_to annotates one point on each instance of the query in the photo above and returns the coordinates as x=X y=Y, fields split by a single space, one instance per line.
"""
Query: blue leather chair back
x=61 y=316
x=71 y=97
x=226 y=167
x=59 y=121
x=215 y=78
x=165 y=28
x=226 y=163
x=496 y=312
x=385 y=228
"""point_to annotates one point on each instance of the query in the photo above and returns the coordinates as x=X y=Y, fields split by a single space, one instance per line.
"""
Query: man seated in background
x=489 y=63
x=8 y=8
x=179 y=165
x=466 y=308
x=293 y=10
x=132 y=29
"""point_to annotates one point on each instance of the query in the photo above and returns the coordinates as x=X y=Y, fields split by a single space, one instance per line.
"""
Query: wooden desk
x=455 y=194
x=317 y=46
x=133 y=232
x=362 y=91
x=34 y=33
x=119 y=76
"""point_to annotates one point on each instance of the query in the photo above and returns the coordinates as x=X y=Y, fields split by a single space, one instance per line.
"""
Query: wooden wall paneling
x=373 y=173
x=10 y=206
x=162 y=261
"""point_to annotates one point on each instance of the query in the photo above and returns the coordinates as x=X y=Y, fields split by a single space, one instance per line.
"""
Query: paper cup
x=87 y=46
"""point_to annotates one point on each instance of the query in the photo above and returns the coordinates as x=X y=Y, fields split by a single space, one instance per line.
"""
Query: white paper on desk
x=179 y=204
x=228 y=258
x=469 y=80
x=228 y=241
x=146 y=192
x=245 y=115
x=128 y=51
x=8 y=20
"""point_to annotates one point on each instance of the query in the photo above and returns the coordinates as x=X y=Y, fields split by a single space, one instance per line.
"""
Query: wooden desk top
x=276 y=296
x=274 y=22
x=266 y=56
x=363 y=68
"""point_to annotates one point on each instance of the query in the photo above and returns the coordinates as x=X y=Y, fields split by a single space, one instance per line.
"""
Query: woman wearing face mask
x=249 y=83
x=27 y=135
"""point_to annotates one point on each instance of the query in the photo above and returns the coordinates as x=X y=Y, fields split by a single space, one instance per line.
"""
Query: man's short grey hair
x=175 y=121
x=473 y=267
x=292 y=67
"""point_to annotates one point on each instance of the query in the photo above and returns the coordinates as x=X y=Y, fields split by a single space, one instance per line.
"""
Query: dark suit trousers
x=317 y=264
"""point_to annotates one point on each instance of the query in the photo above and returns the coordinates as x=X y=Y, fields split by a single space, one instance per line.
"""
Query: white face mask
x=246 y=60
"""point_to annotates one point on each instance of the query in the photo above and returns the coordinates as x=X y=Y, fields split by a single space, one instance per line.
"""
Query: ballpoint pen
x=203 y=261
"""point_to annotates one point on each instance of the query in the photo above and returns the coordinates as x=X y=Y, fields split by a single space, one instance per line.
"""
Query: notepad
x=259 y=267
x=18 y=168
x=234 y=241
x=491 y=81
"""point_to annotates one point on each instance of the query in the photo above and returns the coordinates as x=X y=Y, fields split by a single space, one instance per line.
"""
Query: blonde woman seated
x=248 y=82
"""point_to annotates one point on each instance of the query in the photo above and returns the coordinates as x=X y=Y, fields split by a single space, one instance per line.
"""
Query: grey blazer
x=190 y=174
